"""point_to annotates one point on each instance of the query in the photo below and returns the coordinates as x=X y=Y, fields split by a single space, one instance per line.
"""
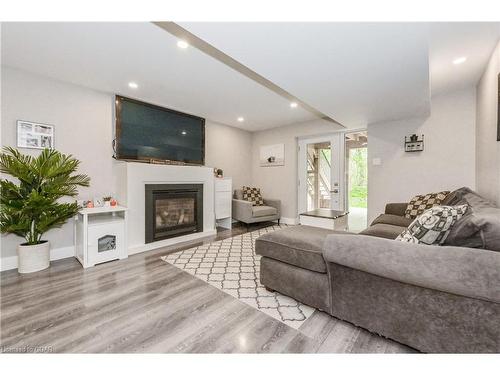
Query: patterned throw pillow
x=253 y=195
x=420 y=203
x=433 y=226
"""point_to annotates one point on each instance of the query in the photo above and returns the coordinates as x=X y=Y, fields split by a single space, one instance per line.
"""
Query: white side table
x=101 y=235
x=325 y=218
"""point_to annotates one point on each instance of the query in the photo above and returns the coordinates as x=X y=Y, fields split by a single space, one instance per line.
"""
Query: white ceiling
x=106 y=56
x=448 y=41
x=355 y=73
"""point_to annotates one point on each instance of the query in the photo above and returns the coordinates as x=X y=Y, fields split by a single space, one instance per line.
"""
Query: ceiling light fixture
x=459 y=60
x=133 y=85
x=240 y=119
x=183 y=132
x=182 y=44
x=293 y=105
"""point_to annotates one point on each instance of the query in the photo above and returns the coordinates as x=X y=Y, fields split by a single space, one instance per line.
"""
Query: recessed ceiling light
x=182 y=44
x=183 y=132
x=293 y=105
x=241 y=119
x=459 y=60
x=133 y=85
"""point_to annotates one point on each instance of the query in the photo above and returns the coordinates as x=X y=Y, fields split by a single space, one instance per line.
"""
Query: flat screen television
x=147 y=132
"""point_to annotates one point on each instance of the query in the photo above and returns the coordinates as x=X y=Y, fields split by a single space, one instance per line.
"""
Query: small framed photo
x=35 y=135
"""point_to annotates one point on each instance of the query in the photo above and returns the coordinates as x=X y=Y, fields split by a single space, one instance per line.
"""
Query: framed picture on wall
x=35 y=135
x=272 y=155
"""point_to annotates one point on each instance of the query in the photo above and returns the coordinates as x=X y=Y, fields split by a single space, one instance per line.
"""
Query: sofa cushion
x=397 y=220
x=259 y=211
x=384 y=231
x=419 y=203
x=481 y=227
x=300 y=245
x=433 y=226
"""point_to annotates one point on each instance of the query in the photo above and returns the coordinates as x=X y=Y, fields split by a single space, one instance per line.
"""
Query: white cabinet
x=100 y=235
x=223 y=202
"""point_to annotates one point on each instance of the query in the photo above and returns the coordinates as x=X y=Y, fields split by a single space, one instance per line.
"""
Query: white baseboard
x=289 y=220
x=10 y=263
x=170 y=241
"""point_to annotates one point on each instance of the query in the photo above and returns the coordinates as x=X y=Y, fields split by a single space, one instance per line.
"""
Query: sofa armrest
x=396 y=208
x=242 y=210
x=276 y=203
x=469 y=272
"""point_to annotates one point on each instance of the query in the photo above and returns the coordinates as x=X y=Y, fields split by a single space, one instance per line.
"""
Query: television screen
x=149 y=132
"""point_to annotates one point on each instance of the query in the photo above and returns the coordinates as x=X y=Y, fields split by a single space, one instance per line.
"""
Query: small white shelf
x=101 y=220
x=101 y=235
x=100 y=210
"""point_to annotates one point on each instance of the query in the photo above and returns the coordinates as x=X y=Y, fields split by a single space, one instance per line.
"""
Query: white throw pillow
x=433 y=225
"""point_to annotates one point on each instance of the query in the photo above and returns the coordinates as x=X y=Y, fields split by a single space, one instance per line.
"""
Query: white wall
x=487 y=146
x=281 y=182
x=83 y=120
x=447 y=163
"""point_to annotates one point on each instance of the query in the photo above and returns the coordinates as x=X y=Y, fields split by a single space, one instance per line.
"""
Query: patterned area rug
x=232 y=266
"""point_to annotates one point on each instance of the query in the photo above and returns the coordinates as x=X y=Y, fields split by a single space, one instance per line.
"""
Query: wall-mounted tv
x=147 y=132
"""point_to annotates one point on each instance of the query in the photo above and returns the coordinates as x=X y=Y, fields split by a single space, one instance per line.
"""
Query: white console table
x=223 y=202
x=101 y=235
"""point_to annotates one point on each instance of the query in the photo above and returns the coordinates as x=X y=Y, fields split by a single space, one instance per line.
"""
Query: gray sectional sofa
x=432 y=298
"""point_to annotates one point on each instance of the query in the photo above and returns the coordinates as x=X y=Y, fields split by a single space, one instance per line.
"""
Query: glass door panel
x=356 y=154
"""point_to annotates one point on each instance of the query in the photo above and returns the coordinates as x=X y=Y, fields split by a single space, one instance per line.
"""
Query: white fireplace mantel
x=131 y=180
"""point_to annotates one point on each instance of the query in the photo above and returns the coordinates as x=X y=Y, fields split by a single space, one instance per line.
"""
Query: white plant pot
x=32 y=258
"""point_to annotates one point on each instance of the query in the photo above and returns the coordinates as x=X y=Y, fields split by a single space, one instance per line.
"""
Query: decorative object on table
x=107 y=201
x=218 y=173
x=414 y=143
x=433 y=225
x=88 y=204
x=272 y=155
x=113 y=202
x=31 y=207
x=98 y=202
x=35 y=135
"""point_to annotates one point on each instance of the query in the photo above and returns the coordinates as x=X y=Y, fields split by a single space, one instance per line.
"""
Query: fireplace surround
x=172 y=210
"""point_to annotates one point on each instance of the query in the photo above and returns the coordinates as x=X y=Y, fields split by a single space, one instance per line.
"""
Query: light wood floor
x=142 y=304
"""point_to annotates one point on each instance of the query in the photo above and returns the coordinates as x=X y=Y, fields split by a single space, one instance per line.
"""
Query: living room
x=169 y=187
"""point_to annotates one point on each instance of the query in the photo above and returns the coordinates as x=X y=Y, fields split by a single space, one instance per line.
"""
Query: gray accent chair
x=438 y=299
x=245 y=212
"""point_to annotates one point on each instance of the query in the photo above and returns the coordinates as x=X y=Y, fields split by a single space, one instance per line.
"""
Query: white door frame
x=337 y=174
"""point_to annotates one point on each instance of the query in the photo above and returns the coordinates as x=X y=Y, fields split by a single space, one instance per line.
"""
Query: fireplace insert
x=173 y=210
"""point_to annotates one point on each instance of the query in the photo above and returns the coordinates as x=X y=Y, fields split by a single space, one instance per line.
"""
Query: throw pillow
x=420 y=203
x=433 y=226
x=253 y=195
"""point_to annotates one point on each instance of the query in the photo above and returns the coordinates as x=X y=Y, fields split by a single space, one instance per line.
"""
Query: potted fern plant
x=30 y=205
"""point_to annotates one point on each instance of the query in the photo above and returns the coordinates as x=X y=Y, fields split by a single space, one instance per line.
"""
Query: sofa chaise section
x=435 y=299
x=292 y=263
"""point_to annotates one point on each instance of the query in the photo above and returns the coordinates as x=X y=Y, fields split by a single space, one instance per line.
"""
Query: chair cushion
x=397 y=220
x=259 y=211
x=252 y=194
x=300 y=245
x=384 y=231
